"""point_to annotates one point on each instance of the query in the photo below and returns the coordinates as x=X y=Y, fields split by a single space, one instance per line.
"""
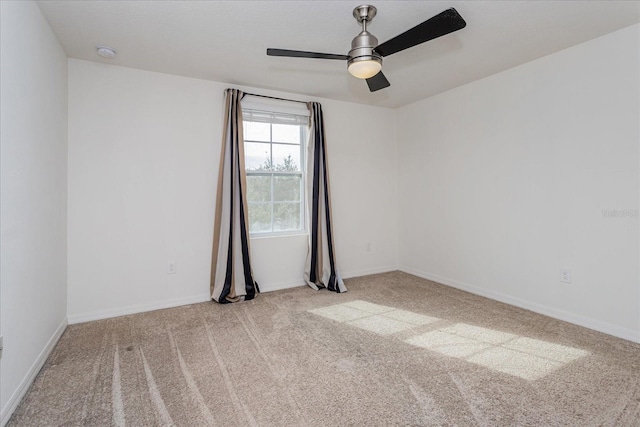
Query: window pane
x=274 y=164
x=259 y=217
x=286 y=188
x=258 y=188
x=256 y=156
x=286 y=133
x=256 y=131
x=286 y=157
x=286 y=216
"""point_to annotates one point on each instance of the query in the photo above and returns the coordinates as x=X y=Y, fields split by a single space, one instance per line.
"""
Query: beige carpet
x=394 y=350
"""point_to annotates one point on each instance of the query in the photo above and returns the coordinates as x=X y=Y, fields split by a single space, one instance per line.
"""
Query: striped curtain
x=231 y=275
x=320 y=269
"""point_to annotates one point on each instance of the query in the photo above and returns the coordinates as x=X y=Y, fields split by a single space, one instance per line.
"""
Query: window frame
x=304 y=130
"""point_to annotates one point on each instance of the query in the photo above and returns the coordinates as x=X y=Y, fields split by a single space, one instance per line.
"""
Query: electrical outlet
x=171 y=267
x=565 y=275
x=368 y=247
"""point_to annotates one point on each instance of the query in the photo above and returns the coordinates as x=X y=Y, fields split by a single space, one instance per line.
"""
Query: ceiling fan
x=364 y=60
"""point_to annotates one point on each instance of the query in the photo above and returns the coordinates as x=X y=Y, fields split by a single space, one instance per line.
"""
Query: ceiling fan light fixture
x=363 y=62
x=365 y=67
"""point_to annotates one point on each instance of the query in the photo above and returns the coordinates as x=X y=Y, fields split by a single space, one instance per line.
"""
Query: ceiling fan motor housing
x=362 y=48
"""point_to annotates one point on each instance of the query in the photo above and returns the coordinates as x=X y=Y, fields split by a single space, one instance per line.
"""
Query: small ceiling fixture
x=106 y=52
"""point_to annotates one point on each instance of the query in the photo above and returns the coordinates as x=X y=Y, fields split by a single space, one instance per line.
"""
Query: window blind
x=277 y=107
x=249 y=115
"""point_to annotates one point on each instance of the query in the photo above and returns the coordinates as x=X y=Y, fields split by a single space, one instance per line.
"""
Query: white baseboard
x=26 y=382
x=270 y=287
x=359 y=273
x=158 y=305
x=137 y=308
x=576 y=319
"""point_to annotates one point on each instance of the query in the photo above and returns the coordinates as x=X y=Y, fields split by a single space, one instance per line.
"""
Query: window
x=274 y=144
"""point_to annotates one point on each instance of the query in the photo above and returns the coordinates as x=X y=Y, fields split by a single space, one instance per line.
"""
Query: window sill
x=259 y=236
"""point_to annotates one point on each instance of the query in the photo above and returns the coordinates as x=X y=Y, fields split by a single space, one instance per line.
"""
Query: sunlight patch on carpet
x=340 y=313
x=523 y=357
x=511 y=354
x=381 y=325
x=371 y=317
x=368 y=307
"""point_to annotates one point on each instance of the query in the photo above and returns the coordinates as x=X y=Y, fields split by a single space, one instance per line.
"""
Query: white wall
x=33 y=196
x=144 y=149
x=502 y=182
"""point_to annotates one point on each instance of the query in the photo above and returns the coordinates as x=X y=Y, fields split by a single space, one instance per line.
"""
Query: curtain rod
x=273 y=97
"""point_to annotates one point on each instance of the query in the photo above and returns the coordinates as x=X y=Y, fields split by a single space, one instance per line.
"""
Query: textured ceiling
x=226 y=40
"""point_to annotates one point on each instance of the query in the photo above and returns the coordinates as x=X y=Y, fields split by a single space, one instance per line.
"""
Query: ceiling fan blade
x=304 y=54
x=377 y=82
x=441 y=24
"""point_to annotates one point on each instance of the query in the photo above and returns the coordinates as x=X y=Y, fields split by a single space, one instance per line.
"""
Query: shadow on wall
x=523 y=357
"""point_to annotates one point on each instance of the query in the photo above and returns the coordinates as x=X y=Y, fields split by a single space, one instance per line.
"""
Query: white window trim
x=283 y=107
